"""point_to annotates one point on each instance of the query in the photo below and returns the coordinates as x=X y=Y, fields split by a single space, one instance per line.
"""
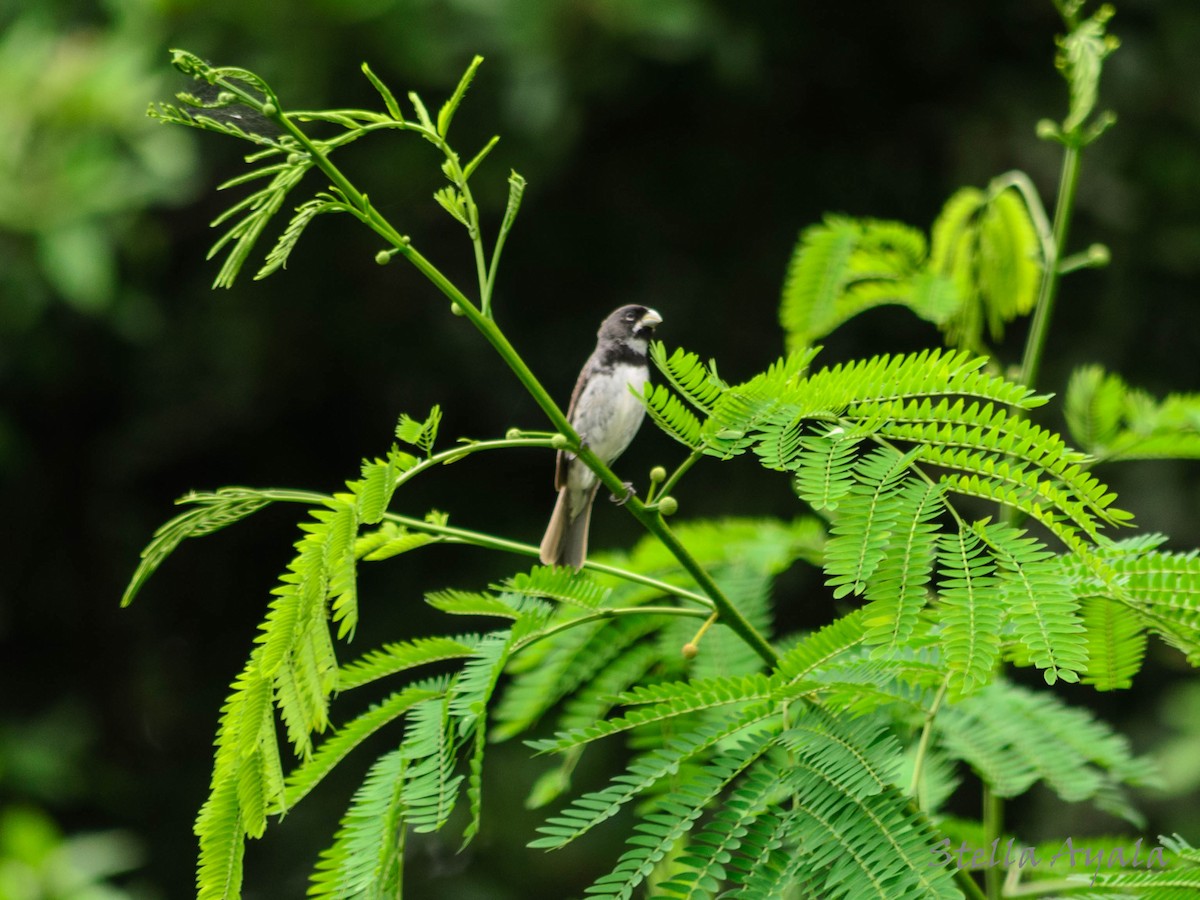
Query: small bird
x=606 y=414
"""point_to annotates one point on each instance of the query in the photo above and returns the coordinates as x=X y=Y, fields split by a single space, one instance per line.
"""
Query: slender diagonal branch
x=648 y=517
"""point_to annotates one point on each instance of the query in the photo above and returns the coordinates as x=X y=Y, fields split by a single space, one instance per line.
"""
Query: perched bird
x=607 y=415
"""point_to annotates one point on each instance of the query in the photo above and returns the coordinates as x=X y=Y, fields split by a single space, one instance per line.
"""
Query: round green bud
x=457 y=310
x=269 y=109
x=690 y=651
x=658 y=475
x=512 y=434
x=1047 y=130
x=383 y=257
x=668 y=506
x=559 y=442
x=1099 y=255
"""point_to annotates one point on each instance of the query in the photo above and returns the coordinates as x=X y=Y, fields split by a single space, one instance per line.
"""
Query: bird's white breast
x=608 y=414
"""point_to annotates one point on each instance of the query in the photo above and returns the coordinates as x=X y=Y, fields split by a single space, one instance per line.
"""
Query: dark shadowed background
x=673 y=151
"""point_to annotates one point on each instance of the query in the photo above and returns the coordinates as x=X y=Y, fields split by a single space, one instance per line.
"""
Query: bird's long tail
x=565 y=542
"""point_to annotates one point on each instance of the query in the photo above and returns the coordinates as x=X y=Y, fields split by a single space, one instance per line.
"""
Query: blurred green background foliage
x=673 y=151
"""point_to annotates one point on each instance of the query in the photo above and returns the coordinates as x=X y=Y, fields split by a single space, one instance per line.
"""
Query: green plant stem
x=691 y=460
x=914 y=787
x=1039 y=329
x=993 y=825
x=615 y=613
x=452 y=535
x=968 y=885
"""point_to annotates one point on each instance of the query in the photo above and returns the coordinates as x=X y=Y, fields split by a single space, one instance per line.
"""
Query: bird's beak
x=649 y=319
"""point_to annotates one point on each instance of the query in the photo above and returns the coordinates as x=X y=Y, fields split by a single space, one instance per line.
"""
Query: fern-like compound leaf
x=969 y=609
x=862 y=531
x=210 y=512
x=675 y=700
x=430 y=785
x=675 y=815
x=643 y=774
x=400 y=656
x=897 y=589
x=351 y=735
x=1013 y=737
x=823 y=468
x=1116 y=643
x=672 y=416
x=1039 y=602
x=696 y=382
x=366 y=859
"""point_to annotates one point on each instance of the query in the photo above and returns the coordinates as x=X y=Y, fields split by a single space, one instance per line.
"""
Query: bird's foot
x=621 y=500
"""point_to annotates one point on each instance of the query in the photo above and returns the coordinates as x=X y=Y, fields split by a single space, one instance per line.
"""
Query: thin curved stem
x=453 y=535
x=614 y=613
x=914 y=787
x=679 y=472
x=1039 y=329
x=993 y=825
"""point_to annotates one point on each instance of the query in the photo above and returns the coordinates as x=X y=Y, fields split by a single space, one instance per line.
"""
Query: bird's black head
x=629 y=324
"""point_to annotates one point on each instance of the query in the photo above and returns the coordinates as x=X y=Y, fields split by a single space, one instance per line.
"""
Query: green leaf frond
x=366 y=858
x=851 y=847
x=676 y=814
x=561 y=584
x=247 y=778
x=965 y=426
x=256 y=212
x=210 y=512
x=825 y=474
x=400 y=656
x=298 y=657
x=391 y=539
x=897 y=589
x=861 y=533
x=293 y=666
x=420 y=433
x=852 y=830
x=844 y=266
x=969 y=610
x=1027 y=468
x=1116 y=643
x=304 y=214
x=1081 y=54
x=688 y=376
x=348 y=737
x=673 y=700
x=555 y=668
x=1040 y=603
x=450 y=107
x=475 y=682
x=1161 y=588
x=430 y=788
x=1113 y=421
x=1013 y=737
x=814 y=651
x=647 y=771
x=903 y=681
x=1175 y=875
x=986 y=244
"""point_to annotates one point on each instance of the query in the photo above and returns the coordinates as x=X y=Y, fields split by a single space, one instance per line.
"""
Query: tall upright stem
x=1064 y=206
